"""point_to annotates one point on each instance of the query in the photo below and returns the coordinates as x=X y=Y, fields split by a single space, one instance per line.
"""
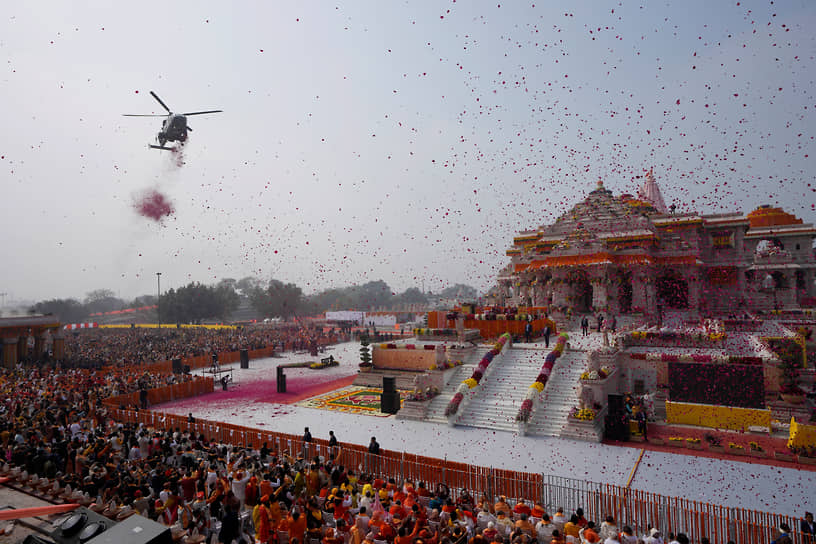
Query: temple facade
x=630 y=254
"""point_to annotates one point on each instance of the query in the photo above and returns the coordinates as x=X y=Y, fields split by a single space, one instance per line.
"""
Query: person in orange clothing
x=422 y=491
x=397 y=511
x=571 y=528
x=521 y=508
x=582 y=521
x=265 y=488
x=557 y=537
x=332 y=538
x=403 y=537
x=265 y=527
x=538 y=511
x=297 y=526
x=589 y=535
x=501 y=505
x=525 y=525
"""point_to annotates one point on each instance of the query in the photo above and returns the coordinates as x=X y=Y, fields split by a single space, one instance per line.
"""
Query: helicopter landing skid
x=151 y=146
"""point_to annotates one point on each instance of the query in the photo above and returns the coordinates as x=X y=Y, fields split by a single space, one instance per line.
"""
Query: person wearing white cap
x=653 y=537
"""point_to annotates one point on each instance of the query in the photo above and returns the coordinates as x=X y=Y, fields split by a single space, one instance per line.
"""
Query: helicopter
x=174 y=127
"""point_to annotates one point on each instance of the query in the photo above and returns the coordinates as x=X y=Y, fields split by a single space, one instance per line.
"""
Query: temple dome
x=767 y=216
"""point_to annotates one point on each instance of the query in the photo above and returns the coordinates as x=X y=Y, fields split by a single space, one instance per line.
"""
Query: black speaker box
x=616 y=427
x=177 y=368
x=615 y=403
x=389 y=384
x=244 y=358
x=390 y=402
x=79 y=526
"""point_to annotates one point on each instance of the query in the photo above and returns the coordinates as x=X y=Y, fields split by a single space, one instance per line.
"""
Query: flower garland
x=600 y=374
x=716 y=336
x=444 y=365
x=583 y=414
x=697 y=358
x=477 y=375
x=541 y=381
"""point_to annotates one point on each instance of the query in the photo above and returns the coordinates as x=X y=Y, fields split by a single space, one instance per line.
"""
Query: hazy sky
x=404 y=141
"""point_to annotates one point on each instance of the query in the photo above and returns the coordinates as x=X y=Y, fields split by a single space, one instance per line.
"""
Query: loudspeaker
x=177 y=368
x=389 y=384
x=390 y=402
x=80 y=525
x=281 y=380
x=616 y=427
x=135 y=530
x=244 y=358
x=186 y=369
x=615 y=403
x=34 y=539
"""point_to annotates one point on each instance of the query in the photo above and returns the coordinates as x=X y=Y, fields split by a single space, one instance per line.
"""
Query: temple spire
x=650 y=192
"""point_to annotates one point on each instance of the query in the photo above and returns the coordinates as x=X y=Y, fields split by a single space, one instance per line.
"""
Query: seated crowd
x=100 y=347
x=55 y=427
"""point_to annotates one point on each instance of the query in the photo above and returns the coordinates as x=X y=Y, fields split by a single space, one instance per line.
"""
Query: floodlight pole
x=158 y=297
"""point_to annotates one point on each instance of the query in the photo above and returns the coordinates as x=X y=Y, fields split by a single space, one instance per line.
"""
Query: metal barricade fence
x=637 y=508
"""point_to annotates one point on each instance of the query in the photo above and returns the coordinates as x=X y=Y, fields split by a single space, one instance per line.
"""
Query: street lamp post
x=158 y=297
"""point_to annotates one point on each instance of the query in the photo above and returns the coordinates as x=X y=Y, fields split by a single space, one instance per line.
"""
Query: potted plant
x=693 y=443
x=714 y=443
x=365 y=355
x=676 y=441
x=735 y=449
x=755 y=450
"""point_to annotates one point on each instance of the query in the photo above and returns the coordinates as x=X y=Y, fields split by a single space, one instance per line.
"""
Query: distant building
x=624 y=254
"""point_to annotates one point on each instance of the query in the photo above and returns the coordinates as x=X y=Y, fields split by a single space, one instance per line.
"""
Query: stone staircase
x=500 y=395
x=435 y=412
x=560 y=395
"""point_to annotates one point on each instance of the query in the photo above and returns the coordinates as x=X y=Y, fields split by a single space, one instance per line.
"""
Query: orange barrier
x=20 y=513
x=640 y=509
x=491 y=328
x=157 y=395
x=205 y=361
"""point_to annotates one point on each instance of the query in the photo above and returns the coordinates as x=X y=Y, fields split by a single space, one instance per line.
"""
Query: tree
x=365 y=352
x=412 y=295
x=278 y=299
x=460 y=292
x=68 y=310
x=196 y=302
x=103 y=300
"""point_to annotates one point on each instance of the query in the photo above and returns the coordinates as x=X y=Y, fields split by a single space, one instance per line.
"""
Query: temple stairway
x=437 y=405
x=560 y=395
x=500 y=395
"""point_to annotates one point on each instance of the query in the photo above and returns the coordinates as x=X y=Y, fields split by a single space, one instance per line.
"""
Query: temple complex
x=631 y=254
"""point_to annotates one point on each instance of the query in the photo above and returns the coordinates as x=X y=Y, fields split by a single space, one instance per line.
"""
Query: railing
x=639 y=509
x=157 y=395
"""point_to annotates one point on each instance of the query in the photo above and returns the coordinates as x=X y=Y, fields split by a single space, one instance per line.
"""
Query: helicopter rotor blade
x=144 y=115
x=159 y=100
x=202 y=112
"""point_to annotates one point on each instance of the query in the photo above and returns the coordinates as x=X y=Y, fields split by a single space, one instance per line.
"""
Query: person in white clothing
x=627 y=536
x=544 y=530
x=608 y=528
x=653 y=537
x=238 y=485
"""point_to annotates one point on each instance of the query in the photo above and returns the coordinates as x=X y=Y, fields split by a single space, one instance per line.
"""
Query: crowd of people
x=55 y=426
x=95 y=348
